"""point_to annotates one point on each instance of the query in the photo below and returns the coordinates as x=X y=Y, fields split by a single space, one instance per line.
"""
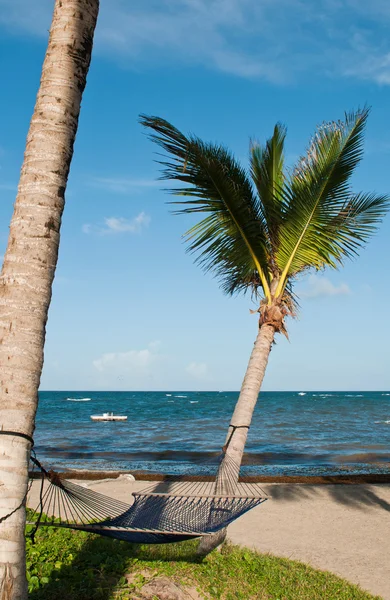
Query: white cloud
x=133 y=362
x=122 y=185
x=18 y=15
x=121 y=225
x=367 y=57
x=320 y=287
x=115 y=225
x=276 y=40
x=197 y=370
x=154 y=346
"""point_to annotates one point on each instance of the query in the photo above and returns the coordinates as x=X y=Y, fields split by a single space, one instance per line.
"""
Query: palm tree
x=29 y=266
x=257 y=233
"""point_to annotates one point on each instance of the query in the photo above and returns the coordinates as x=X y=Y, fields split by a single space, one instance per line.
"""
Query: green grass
x=64 y=564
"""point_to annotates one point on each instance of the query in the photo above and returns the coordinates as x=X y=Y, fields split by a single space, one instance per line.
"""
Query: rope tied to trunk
x=18 y=434
x=234 y=427
x=29 y=439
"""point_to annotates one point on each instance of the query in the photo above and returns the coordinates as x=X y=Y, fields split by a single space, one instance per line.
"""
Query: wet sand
x=342 y=526
x=371 y=478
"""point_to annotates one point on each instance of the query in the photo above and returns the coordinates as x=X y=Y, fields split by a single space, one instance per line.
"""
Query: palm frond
x=232 y=239
x=317 y=196
x=267 y=165
x=260 y=236
x=357 y=221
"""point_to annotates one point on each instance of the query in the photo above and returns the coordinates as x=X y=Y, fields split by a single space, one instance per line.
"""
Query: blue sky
x=130 y=310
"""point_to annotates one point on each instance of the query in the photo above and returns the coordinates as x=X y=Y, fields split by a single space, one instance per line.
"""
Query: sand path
x=344 y=529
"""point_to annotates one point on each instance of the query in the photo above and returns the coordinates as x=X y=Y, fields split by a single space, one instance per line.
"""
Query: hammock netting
x=171 y=510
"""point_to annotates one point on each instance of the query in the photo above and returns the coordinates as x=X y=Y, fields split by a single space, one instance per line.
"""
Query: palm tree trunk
x=29 y=266
x=241 y=420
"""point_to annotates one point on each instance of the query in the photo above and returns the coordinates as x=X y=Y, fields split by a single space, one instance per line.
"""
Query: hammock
x=169 y=511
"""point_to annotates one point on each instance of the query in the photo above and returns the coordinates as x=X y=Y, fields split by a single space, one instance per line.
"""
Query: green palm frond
x=357 y=221
x=261 y=235
x=267 y=165
x=232 y=239
x=317 y=197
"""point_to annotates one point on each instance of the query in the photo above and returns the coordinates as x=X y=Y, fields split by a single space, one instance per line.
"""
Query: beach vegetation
x=260 y=229
x=79 y=566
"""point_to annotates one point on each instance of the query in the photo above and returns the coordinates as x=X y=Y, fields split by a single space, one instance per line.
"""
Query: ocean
x=292 y=433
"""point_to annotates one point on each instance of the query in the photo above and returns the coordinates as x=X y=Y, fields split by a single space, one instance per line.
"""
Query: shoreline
x=360 y=478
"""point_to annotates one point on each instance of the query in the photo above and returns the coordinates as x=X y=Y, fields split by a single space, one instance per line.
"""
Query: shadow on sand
x=359 y=496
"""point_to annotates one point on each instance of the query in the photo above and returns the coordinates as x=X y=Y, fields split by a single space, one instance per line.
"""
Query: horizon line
x=299 y=390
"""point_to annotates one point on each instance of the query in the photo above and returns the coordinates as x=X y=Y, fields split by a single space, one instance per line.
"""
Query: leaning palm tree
x=29 y=266
x=258 y=232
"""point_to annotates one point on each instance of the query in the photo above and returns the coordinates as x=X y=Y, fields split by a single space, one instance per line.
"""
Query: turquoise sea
x=292 y=433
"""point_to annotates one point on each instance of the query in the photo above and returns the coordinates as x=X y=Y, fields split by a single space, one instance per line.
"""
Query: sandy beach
x=342 y=528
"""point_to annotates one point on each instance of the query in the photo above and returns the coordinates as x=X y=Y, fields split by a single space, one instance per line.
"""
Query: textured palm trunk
x=29 y=266
x=242 y=417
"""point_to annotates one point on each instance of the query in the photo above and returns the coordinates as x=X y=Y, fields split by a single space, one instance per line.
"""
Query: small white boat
x=108 y=417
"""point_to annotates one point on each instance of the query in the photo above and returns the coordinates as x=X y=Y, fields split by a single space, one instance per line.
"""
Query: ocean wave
x=194 y=401
x=79 y=399
x=181 y=396
x=311 y=433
